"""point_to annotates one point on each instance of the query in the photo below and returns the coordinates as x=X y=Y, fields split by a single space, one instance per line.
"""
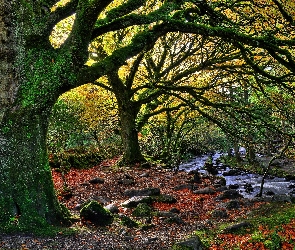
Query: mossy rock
x=76 y=158
x=165 y=198
x=95 y=213
x=126 y=221
x=193 y=243
x=142 y=210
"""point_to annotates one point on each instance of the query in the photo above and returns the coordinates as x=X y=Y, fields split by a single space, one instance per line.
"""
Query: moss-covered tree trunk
x=27 y=193
x=128 y=111
x=30 y=82
x=132 y=153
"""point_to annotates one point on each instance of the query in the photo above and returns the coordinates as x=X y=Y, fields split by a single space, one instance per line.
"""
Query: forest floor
x=272 y=225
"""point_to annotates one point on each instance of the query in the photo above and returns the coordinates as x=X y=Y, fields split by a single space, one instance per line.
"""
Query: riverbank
x=200 y=205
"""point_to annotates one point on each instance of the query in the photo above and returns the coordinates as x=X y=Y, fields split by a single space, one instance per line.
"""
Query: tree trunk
x=30 y=83
x=26 y=186
x=132 y=153
x=128 y=111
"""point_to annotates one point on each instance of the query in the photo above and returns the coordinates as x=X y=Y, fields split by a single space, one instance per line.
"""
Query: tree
x=33 y=75
x=147 y=84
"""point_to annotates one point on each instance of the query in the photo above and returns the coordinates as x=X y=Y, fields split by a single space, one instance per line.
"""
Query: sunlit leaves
x=61 y=31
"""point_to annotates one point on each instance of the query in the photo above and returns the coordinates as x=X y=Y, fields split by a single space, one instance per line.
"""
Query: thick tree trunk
x=26 y=186
x=30 y=82
x=132 y=153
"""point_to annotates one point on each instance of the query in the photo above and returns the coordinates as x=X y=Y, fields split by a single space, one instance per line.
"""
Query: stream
x=243 y=180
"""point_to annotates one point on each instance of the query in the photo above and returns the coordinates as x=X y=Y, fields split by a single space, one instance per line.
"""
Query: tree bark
x=26 y=186
x=128 y=111
x=29 y=86
x=132 y=153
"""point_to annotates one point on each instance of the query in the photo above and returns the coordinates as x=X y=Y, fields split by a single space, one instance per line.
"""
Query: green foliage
x=84 y=121
x=183 y=138
x=79 y=158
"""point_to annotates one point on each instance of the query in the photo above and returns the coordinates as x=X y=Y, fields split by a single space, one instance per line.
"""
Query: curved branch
x=61 y=13
x=118 y=58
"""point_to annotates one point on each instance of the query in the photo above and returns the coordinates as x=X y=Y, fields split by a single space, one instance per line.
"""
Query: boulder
x=96 y=214
x=142 y=192
x=229 y=194
x=238 y=226
x=96 y=180
x=142 y=210
x=134 y=201
x=113 y=208
x=219 y=214
x=206 y=190
x=193 y=243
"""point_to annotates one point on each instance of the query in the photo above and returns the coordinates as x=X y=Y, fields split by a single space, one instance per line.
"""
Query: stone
x=96 y=214
x=174 y=210
x=126 y=221
x=183 y=186
x=196 y=176
x=248 y=188
x=142 y=210
x=232 y=204
x=220 y=181
x=165 y=198
x=233 y=186
x=126 y=181
x=113 y=208
x=219 y=214
x=142 y=192
x=174 y=220
x=269 y=193
x=232 y=172
x=281 y=198
x=290 y=177
x=206 y=190
x=134 y=201
x=100 y=199
x=165 y=214
x=193 y=243
x=97 y=180
x=211 y=169
x=229 y=194
x=238 y=226
x=145 y=175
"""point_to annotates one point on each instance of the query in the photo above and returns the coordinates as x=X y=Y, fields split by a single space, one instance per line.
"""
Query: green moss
x=142 y=210
x=178 y=247
x=46 y=73
x=126 y=221
x=94 y=212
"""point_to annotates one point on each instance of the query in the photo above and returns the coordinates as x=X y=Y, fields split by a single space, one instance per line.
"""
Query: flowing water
x=242 y=180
